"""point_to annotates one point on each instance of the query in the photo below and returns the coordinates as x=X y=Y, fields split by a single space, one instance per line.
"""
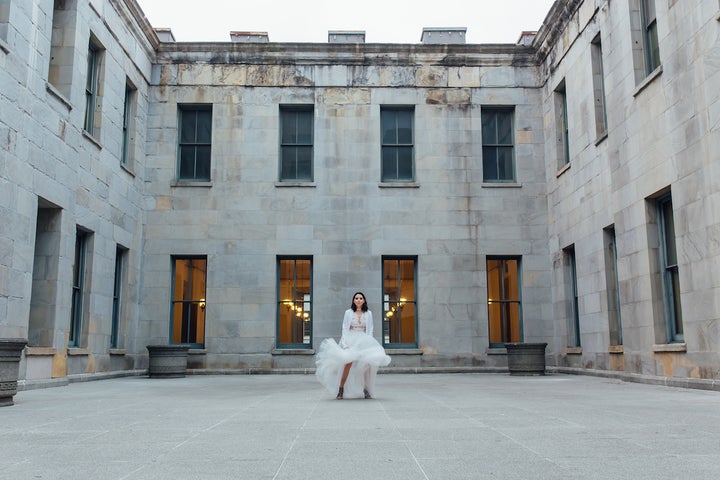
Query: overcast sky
x=383 y=21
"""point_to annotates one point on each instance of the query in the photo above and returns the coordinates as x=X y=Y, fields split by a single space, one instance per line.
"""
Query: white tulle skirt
x=366 y=355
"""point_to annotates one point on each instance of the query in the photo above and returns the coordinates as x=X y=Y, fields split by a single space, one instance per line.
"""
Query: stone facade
x=635 y=139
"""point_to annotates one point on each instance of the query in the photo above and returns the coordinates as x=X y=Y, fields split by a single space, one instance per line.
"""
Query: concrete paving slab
x=421 y=426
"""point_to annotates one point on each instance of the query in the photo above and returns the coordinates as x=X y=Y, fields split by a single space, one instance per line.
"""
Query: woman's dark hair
x=364 y=305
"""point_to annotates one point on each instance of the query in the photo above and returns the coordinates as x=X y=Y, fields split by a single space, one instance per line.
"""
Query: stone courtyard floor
x=420 y=426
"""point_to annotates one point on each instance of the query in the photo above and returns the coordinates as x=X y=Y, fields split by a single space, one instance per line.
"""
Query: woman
x=352 y=364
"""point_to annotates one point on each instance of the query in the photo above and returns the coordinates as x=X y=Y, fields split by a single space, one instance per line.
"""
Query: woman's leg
x=345 y=373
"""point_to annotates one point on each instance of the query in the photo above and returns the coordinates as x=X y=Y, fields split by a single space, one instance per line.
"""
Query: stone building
x=234 y=195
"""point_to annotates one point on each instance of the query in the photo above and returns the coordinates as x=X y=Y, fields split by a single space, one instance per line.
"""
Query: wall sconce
x=202 y=304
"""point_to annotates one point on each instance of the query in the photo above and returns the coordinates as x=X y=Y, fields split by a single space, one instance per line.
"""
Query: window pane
x=490 y=169
x=288 y=164
x=404 y=122
x=202 y=163
x=389 y=163
x=287 y=127
x=505 y=163
x=669 y=230
x=404 y=163
x=187 y=162
x=204 y=126
x=304 y=128
x=489 y=128
x=304 y=163
x=505 y=128
x=389 y=127
x=187 y=126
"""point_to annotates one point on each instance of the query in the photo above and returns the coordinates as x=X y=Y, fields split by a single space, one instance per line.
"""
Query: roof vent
x=443 y=35
x=164 y=34
x=346 y=36
x=249 y=37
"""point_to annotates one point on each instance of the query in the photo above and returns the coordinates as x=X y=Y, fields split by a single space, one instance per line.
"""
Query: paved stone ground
x=423 y=426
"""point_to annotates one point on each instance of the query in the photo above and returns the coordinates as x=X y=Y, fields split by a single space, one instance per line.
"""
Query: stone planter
x=526 y=358
x=10 y=354
x=168 y=361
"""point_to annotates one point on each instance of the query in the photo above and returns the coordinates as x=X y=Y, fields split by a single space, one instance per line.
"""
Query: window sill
x=127 y=169
x=573 y=350
x=296 y=184
x=564 y=169
x=74 y=351
x=4 y=46
x=670 y=348
x=601 y=138
x=500 y=185
x=398 y=185
x=39 y=351
x=117 y=351
x=616 y=349
x=717 y=16
x=403 y=351
x=190 y=183
x=497 y=351
x=648 y=80
x=292 y=351
x=92 y=139
x=197 y=351
x=56 y=93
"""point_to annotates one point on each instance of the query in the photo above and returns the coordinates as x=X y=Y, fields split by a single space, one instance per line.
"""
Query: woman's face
x=359 y=300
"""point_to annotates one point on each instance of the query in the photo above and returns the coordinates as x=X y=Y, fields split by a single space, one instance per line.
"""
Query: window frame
x=496 y=110
x=200 y=302
x=77 y=305
x=598 y=75
x=306 y=330
x=506 y=334
x=397 y=146
x=612 y=286
x=672 y=306
x=296 y=111
x=393 y=307
x=92 y=85
x=572 y=304
x=128 y=125
x=118 y=290
x=183 y=110
x=651 y=46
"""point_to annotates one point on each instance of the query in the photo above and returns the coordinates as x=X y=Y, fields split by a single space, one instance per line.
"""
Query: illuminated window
x=188 y=303
x=294 y=309
x=504 y=307
x=399 y=302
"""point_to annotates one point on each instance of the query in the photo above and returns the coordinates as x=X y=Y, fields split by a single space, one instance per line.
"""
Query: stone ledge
x=648 y=80
x=117 y=351
x=564 y=169
x=78 y=351
x=500 y=185
x=197 y=351
x=53 y=91
x=89 y=136
x=573 y=350
x=670 y=348
x=190 y=183
x=404 y=351
x=398 y=185
x=696 y=383
x=616 y=349
x=296 y=184
x=39 y=351
x=292 y=351
x=4 y=46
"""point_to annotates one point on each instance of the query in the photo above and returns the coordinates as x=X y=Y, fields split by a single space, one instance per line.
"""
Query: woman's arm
x=345 y=327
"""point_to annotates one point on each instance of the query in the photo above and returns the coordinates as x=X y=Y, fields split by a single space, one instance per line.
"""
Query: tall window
x=64 y=19
x=611 y=285
x=650 y=35
x=670 y=277
x=4 y=19
x=561 y=125
x=188 y=302
x=91 y=86
x=195 y=142
x=120 y=254
x=397 y=144
x=294 y=308
x=571 y=297
x=598 y=87
x=399 y=302
x=498 y=145
x=296 y=143
x=78 y=288
x=504 y=306
x=128 y=124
